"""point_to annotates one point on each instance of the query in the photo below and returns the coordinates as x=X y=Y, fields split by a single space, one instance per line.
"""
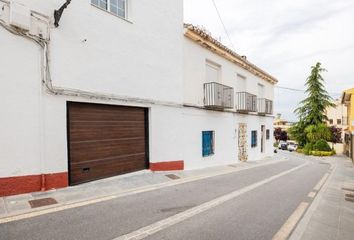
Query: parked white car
x=280 y=145
x=292 y=146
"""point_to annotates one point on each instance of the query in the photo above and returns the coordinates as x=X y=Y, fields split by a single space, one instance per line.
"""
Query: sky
x=285 y=38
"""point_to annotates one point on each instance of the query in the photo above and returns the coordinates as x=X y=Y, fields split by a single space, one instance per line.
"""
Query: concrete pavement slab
x=330 y=216
x=320 y=231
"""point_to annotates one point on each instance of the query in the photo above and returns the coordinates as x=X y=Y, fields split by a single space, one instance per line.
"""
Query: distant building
x=281 y=123
x=348 y=101
x=337 y=115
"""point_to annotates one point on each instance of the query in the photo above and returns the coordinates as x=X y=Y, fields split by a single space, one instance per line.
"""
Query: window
x=117 y=7
x=254 y=139
x=212 y=72
x=260 y=90
x=208 y=143
x=330 y=121
x=267 y=134
x=241 y=83
x=339 y=121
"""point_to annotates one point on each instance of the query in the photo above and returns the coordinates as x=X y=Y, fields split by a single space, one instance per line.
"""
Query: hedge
x=322 y=153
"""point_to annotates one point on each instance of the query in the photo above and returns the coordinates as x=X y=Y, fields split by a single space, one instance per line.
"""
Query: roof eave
x=206 y=41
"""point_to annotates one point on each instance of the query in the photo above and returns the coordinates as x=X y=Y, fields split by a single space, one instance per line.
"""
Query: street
x=249 y=204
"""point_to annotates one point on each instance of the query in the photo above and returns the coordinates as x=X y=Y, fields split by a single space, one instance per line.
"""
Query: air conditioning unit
x=20 y=16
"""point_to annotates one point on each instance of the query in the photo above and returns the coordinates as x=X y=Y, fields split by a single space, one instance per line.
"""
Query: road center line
x=170 y=221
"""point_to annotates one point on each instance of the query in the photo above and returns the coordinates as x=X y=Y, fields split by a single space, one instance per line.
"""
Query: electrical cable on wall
x=47 y=80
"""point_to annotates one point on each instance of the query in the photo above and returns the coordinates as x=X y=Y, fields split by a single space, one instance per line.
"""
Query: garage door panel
x=101 y=131
x=82 y=112
x=86 y=151
x=105 y=141
x=83 y=172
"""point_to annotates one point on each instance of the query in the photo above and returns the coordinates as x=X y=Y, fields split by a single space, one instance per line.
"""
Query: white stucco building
x=121 y=86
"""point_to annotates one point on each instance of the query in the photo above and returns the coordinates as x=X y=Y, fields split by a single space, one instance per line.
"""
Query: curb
x=301 y=227
x=132 y=191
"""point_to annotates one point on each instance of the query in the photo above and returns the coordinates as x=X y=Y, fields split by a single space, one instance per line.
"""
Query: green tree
x=297 y=132
x=318 y=132
x=312 y=109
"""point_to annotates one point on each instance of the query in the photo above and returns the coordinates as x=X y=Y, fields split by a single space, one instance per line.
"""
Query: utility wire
x=222 y=23
x=301 y=90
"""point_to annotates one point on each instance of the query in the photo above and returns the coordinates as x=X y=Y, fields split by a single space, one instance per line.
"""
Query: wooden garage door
x=105 y=141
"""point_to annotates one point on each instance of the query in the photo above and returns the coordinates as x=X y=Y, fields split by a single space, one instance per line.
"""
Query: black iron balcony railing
x=246 y=102
x=265 y=106
x=217 y=95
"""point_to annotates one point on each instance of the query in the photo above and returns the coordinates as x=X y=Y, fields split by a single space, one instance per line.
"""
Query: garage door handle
x=86 y=170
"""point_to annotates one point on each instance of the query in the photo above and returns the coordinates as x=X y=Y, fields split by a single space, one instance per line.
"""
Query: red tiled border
x=33 y=183
x=167 y=166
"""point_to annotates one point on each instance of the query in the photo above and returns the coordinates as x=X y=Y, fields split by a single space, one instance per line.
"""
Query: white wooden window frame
x=108 y=9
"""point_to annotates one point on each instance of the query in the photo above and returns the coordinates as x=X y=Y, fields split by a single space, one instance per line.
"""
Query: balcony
x=246 y=102
x=218 y=96
x=265 y=106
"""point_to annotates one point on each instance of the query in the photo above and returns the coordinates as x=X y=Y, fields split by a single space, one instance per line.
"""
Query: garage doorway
x=105 y=141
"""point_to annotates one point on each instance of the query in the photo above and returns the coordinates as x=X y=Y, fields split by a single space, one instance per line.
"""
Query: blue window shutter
x=207 y=142
x=204 y=144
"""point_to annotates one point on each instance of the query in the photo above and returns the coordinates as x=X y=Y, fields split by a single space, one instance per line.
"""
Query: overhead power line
x=301 y=90
x=222 y=23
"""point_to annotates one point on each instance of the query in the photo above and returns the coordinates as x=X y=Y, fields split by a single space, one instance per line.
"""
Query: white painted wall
x=223 y=123
x=20 y=106
x=134 y=58
x=142 y=58
x=195 y=57
x=176 y=134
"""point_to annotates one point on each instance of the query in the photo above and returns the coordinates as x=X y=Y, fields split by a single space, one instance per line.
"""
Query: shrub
x=321 y=145
x=275 y=144
x=308 y=148
x=300 y=150
x=322 y=153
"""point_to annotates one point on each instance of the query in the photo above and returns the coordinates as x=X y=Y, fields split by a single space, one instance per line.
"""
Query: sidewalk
x=105 y=189
x=331 y=216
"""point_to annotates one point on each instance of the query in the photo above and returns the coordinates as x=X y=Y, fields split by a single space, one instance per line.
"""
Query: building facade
x=119 y=86
x=348 y=101
x=337 y=117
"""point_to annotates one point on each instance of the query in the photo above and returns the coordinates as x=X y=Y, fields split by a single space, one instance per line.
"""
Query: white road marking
x=289 y=225
x=167 y=222
x=132 y=191
x=311 y=195
x=321 y=182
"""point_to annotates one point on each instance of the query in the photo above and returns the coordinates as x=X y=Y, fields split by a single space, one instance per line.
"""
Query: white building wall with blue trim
x=144 y=59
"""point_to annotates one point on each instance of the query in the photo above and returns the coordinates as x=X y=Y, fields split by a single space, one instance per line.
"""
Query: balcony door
x=212 y=72
x=260 y=90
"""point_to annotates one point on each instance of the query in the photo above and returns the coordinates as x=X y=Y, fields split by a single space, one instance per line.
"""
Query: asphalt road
x=257 y=214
